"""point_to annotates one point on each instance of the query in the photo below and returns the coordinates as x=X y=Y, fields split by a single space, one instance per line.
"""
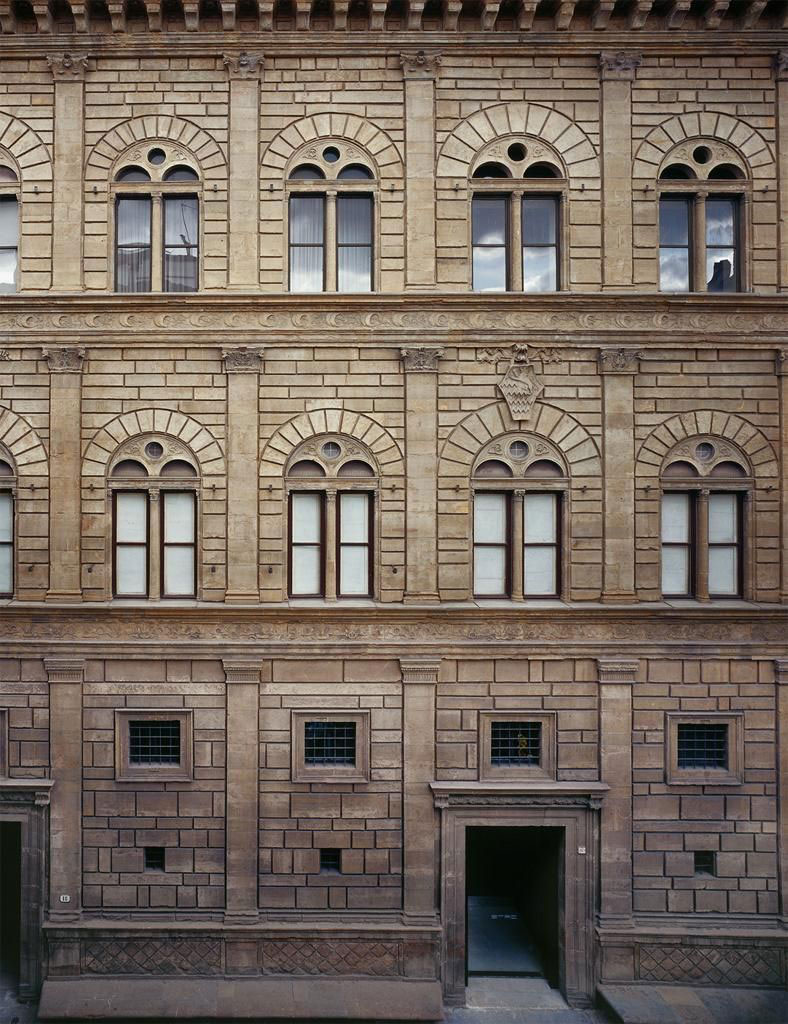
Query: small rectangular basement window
x=154 y=745
x=330 y=743
x=331 y=861
x=513 y=747
x=704 y=862
x=704 y=748
x=515 y=743
x=702 y=745
x=330 y=746
x=154 y=858
x=154 y=742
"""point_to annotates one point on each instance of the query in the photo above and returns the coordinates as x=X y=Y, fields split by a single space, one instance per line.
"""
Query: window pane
x=539 y=216
x=489 y=220
x=179 y=570
x=674 y=222
x=6 y=517
x=306 y=570
x=133 y=221
x=540 y=571
x=539 y=518
x=722 y=519
x=9 y=221
x=489 y=570
x=180 y=220
x=723 y=570
x=306 y=269
x=354 y=570
x=489 y=270
x=675 y=518
x=306 y=220
x=132 y=241
x=132 y=270
x=130 y=514
x=674 y=270
x=6 y=569
x=305 y=528
x=540 y=271
x=130 y=571
x=720 y=222
x=354 y=517
x=354 y=220
x=178 y=517
x=354 y=269
x=675 y=571
x=489 y=518
x=721 y=270
x=180 y=270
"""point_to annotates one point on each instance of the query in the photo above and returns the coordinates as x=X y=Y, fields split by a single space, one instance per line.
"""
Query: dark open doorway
x=513 y=901
x=10 y=904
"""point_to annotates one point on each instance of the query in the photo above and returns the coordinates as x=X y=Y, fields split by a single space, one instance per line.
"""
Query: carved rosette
x=621 y=65
x=781 y=65
x=245 y=65
x=242 y=360
x=68 y=67
x=421 y=359
x=420 y=65
x=64 y=360
x=618 y=360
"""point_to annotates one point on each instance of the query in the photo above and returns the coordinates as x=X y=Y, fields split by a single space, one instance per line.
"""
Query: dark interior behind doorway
x=10 y=902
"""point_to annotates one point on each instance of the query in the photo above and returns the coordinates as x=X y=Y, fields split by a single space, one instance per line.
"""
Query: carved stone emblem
x=242 y=360
x=421 y=359
x=619 y=65
x=68 y=66
x=520 y=385
x=420 y=64
x=781 y=64
x=618 y=360
x=64 y=360
x=245 y=65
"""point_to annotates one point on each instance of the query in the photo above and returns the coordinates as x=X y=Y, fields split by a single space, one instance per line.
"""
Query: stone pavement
x=685 y=1004
x=517 y=1001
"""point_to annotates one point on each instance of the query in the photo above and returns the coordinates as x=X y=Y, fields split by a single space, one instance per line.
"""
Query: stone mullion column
x=518 y=563
x=781 y=722
x=781 y=76
x=419 y=682
x=702 y=545
x=242 y=367
x=617 y=71
x=157 y=247
x=65 y=520
x=244 y=183
x=67 y=213
x=698 y=243
x=618 y=368
x=155 y=560
x=616 y=678
x=330 y=567
x=65 y=813
x=781 y=368
x=330 y=241
x=516 y=269
x=243 y=700
x=420 y=71
x=421 y=452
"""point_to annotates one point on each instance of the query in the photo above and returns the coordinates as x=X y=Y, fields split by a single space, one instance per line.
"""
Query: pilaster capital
x=68 y=67
x=620 y=66
x=421 y=359
x=64 y=360
x=618 y=360
x=243 y=65
x=241 y=671
x=781 y=362
x=419 y=670
x=65 y=670
x=617 y=670
x=781 y=671
x=420 y=65
x=242 y=360
x=780 y=65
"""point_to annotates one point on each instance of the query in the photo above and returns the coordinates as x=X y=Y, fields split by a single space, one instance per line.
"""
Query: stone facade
x=423 y=380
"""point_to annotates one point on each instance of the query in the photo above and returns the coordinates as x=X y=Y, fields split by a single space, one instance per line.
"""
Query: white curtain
x=131 y=544
x=675 y=543
x=306 y=243
x=6 y=543
x=305 y=533
x=489 y=534
x=179 y=547
x=133 y=244
x=354 y=544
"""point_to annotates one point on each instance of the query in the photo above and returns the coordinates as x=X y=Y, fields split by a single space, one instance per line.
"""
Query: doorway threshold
x=491 y=1000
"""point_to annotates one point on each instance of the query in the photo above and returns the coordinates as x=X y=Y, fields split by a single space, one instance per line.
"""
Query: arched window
x=9 y=228
x=331 y=486
x=520 y=488
x=154 y=521
x=331 y=213
x=701 y=221
x=7 y=525
x=705 y=485
x=157 y=223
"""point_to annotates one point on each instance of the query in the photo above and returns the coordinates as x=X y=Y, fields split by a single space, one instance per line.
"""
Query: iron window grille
x=329 y=743
x=514 y=747
x=702 y=745
x=330 y=746
x=515 y=743
x=154 y=742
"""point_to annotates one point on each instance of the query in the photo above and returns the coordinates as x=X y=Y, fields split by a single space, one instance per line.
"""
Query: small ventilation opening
x=704 y=862
x=331 y=861
x=154 y=858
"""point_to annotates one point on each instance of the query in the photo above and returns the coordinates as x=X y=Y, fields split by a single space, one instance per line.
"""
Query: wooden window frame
x=12 y=544
x=343 y=194
x=546 y=769
x=300 y=245
x=166 y=197
x=689 y=202
x=737 y=246
x=177 y=544
x=4 y=759
x=13 y=190
x=557 y=545
x=116 y=248
x=321 y=543
x=507 y=545
x=125 y=771
x=303 y=772
x=738 y=544
x=146 y=545
x=369 y=544
x=506 y=198
x=730 y=776
x=557 y=198
x=691 y=544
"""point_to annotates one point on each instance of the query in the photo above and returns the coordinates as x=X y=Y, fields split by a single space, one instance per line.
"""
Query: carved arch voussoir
x=202 y=147
x=21 y=142
x=484 y=126
x=380 y=148
x=362 y=428
x=198 y=439
x=753 y=149
x=23 y=444
x=577 y=446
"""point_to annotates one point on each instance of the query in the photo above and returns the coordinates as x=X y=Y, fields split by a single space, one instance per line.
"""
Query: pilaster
x=68 y=72
x=419 y=682
x=781 y=83
x=617 y=71
x=781 y=369
x=421 y=445
x=243 y=698
x=242 y=366
x=617 y=368
x=243 y=197
x=65 y=812
x=616 y=677
x=65 y=519
x=420 y=71
x=781 y=718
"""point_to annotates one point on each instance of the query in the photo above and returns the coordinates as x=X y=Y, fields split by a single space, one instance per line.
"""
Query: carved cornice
x=68 y=67
x=419 y=670
x=421 y=359
x=244 y=65
x=241 y=671
x=64 y=670
x=621 y=65
x=781 y=362
x=781 y=65
x=618 y=360
x=64 y=360
x=25 y=792
x=242 y=360
x=420 y=65
x=617 y=670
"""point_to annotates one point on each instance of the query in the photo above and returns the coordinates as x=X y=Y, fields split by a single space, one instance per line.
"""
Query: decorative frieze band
x=421 y=359
x=419 y=670
x=242 y=360
x=420 y=65
x=244 y=65
x=68 y=67
x=64 y=360
x=64 y=670
x=619 y=360
x=617 y=670
x=619 y=65
x=241 y=671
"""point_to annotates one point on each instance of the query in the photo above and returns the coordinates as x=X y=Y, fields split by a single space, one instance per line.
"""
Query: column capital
x=421 y=359
x=620 y=66
x=619 y=360
x=780 y=65
x=242 y=360
x=781 y=671
x=64 y=670
x=420 y=65
x=64 y=360
x=244 y=65
x=68 y=67
x=617 y=670
x=781 y=362
x=241 y=671
x=419 y=670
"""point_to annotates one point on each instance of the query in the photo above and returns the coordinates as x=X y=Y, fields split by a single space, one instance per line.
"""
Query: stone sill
x=526 y=787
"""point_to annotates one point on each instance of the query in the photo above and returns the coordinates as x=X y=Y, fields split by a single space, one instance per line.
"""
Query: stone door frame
x=26 y=802
x=507 y=805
